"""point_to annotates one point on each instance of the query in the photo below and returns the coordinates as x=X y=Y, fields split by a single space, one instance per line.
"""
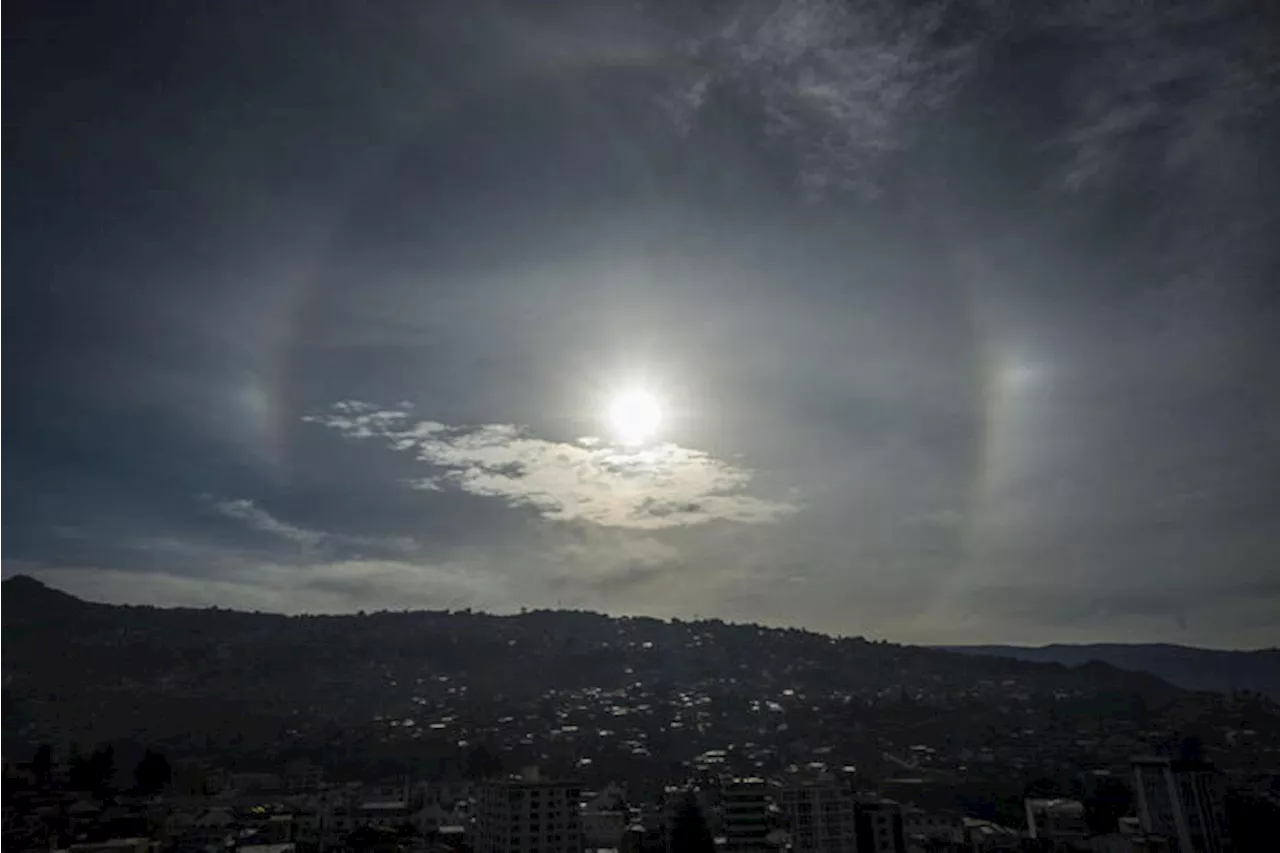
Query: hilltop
x=24 y=592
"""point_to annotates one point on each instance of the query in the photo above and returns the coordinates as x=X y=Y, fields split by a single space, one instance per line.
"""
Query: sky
x=961 y=318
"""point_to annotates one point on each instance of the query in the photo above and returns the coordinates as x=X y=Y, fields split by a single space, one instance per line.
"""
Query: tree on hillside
x=103 y=762
x=481 y=763
x=153 y=773
x=42 y=765
x=95 y=773
x=689 y=832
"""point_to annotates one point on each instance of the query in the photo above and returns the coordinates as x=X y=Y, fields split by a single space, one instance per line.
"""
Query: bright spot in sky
x=634 y=416
x=1020 y=375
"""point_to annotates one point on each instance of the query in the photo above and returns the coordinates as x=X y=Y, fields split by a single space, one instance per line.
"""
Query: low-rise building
x=1057 y=820
x=984 y=836
x=931 y=831
x=118 y=845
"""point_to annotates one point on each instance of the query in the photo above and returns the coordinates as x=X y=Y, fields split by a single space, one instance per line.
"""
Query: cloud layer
x=336 y=587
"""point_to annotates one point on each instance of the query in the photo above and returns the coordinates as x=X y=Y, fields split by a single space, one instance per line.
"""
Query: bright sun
x=634 y=416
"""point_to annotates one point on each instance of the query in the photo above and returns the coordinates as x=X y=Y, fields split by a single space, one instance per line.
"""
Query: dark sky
x=963 y=317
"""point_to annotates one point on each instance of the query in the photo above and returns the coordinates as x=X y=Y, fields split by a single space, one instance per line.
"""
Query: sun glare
x=634 y=417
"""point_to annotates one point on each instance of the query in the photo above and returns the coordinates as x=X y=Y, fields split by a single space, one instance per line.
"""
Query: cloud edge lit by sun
x=660 y=485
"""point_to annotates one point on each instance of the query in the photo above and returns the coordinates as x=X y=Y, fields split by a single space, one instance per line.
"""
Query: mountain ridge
x=418 y=690
x=1189 y=667
x=23 y=589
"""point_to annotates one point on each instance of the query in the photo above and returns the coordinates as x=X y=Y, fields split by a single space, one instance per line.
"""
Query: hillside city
x=641 y=426
x=215 y=730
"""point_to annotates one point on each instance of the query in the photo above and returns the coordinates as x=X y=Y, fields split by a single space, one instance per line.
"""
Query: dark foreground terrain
x=439 y=691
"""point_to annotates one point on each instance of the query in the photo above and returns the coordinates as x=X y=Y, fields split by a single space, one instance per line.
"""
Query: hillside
x=567 y=689
x=1191 y=668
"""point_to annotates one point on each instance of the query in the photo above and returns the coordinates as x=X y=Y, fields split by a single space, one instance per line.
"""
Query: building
x=638 y=839
x=527 y=814
x=1056 y=820
x=983 y=836
x=254 y=783
x=605 y=818
x=603 y=829
x=926 y=830
x=820 y=816
x=674 y=797
x=1119 y=842
x=1183 y=801
x=879 y=827
x=744 y=816
x=303 y=776
x=212 y=827
x=118 y=845
x=382 y=814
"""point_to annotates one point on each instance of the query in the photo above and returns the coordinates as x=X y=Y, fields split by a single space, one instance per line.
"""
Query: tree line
x=96 y=772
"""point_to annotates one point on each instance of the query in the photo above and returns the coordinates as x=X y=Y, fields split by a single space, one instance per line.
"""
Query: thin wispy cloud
x=839 y=84
x=309 y=540
x=1146 y=95
x=661 y=486
x=257 y=518
x=336 y=587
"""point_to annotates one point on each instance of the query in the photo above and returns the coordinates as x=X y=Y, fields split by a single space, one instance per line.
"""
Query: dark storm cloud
x=962 y=312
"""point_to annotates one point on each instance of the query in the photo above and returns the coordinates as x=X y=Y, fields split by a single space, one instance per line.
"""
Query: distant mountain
x=633 y=695
x=1192 y=668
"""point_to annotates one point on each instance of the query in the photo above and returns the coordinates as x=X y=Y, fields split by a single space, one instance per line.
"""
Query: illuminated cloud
x=583 y=481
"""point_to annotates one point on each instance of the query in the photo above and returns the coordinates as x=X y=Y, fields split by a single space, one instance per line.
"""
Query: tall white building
x=528 y=814
x=820 y=816
x=1183 y=801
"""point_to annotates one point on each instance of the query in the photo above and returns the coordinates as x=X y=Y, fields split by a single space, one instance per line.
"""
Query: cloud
x=662 y=486
x=612 y=561
x=309 y=540
x=1155 y=88
x=840 y=83
x=841 y=86
x=339 y=587
x=259 y=519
